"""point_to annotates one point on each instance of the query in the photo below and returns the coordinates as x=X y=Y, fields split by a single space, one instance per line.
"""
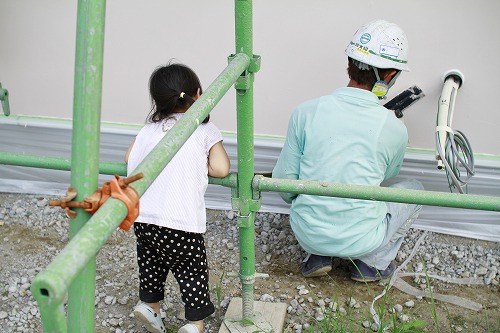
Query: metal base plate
x=268 y=317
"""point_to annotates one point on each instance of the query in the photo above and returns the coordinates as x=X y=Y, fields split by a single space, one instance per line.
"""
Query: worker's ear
x=389 y=74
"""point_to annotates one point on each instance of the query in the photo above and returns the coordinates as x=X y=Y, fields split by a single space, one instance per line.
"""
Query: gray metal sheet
x=53 y=138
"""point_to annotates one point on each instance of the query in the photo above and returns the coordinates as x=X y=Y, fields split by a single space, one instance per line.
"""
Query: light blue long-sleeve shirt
x=349 y=138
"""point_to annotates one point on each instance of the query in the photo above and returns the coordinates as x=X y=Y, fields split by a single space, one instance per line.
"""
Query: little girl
x=172 y=219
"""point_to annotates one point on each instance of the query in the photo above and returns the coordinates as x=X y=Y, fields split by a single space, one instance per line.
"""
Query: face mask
x=380 y=89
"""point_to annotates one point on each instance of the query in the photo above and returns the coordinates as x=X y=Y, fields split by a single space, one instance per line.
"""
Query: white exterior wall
x=302 y=47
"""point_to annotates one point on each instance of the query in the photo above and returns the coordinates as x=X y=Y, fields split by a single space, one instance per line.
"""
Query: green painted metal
x=4 y=98
x=105 y=168
x=84 y=177
x=244 y=203
x=264 y=184
x=85 y=148
x=57 y=163
x=230 y=181
x=429 y=198
x=51 y=285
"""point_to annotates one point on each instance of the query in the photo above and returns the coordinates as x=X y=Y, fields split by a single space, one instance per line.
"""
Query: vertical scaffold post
x=4 y=100
x=85 y=147
x=244 y=108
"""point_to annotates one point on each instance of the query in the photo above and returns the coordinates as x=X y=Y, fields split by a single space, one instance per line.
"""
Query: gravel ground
x=33 y=233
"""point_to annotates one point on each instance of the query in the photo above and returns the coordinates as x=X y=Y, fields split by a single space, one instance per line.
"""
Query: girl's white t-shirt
x=176 y=198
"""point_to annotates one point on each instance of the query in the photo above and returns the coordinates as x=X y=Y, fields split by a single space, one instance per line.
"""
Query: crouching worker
x=348 y=137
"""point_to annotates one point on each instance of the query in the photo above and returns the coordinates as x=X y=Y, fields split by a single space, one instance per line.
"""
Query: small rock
x=410 y=304
x=404 y=318
x=481 y=271
x=123 y=300
x=114 y=322
x=303 y=292
x=230 y=214
x=109 y=300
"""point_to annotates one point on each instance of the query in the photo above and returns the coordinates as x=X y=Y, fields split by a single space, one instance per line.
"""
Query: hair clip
x=182 y=95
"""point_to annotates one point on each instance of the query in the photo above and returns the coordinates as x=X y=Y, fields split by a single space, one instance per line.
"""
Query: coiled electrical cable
x=457 y=155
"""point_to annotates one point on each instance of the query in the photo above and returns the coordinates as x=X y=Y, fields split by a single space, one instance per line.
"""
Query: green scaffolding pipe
x=85 y=148
x=4 y=98
x=245 y=139
x=84 y=172
x=429 y=198
x=105 y=168
x=264 y=184
x=51 y=285
x=57 y=163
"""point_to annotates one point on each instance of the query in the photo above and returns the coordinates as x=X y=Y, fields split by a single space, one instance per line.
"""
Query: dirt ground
x=25 y=251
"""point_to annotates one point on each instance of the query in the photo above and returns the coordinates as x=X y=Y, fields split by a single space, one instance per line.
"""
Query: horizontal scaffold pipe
x=55 y=280
x=265 y=184
x=429 y=198
x=375 y=193
x=57 y=163
x=105 y=168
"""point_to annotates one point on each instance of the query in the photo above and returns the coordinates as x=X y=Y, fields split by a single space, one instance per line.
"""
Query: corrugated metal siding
x=53 y=138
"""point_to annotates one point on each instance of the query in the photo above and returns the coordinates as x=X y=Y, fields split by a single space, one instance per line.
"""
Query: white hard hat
x=380 y=44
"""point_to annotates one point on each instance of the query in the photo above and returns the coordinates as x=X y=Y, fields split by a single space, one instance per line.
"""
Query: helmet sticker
x=389 y=51
x=360 y=48
x=365 y=38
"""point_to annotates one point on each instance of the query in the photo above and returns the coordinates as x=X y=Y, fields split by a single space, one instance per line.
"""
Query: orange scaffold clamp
x=116 y=188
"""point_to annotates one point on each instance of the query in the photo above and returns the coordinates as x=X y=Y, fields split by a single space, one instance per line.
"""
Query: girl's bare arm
x=218 y=161
x=128 y=151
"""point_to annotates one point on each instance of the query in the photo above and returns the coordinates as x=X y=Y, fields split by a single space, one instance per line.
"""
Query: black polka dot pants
x=160 y=250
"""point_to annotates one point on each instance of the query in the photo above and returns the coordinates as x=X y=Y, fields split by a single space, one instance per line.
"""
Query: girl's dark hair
x=172 y=89
x=363 y=77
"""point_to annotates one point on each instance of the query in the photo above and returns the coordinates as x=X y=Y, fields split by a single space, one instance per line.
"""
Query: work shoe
x=314 y=265
x=149 y=318
x=364 y=273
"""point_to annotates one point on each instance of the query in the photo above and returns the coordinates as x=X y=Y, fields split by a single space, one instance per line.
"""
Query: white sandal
x=147 y=316
x=189 y=328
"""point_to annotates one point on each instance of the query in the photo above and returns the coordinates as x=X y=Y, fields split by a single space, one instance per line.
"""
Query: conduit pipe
x=453 y=80
x=452 y=148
